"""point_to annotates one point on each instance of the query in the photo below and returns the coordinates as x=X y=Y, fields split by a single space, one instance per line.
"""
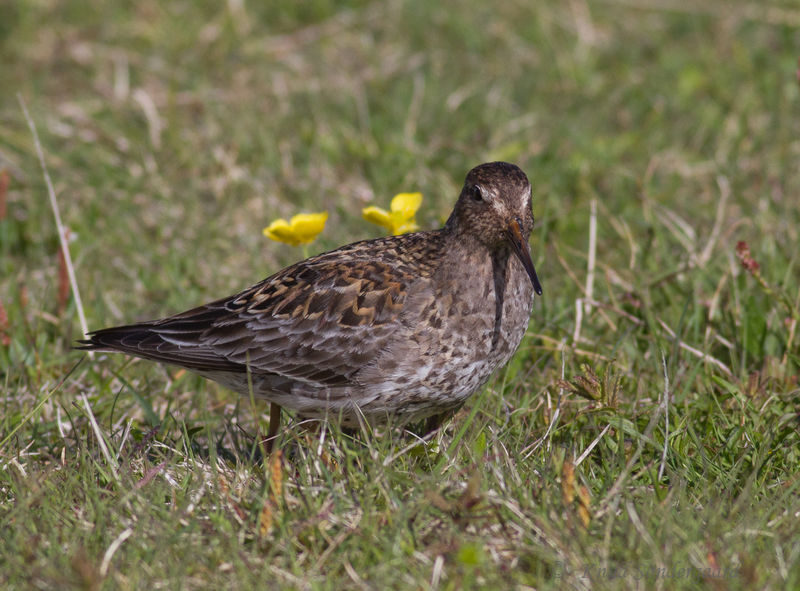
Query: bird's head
x=495 y=208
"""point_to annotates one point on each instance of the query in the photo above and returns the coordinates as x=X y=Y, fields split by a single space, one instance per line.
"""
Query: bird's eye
x=477 y=194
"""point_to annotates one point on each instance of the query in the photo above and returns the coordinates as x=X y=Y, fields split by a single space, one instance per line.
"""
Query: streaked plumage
x=407 y=325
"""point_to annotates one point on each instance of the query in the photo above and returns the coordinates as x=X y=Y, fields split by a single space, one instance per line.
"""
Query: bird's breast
x=456 y=334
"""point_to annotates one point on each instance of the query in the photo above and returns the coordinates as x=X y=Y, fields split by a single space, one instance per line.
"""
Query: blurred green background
x=175 y=131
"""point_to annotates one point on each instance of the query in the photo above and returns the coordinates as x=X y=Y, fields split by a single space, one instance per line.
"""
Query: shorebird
x=406 y=326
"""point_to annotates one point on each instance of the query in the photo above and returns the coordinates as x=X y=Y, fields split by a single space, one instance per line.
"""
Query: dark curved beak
x=520 y=247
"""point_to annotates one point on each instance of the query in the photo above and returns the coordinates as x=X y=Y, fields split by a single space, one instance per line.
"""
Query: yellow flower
x=302 y=229
x=401 y=217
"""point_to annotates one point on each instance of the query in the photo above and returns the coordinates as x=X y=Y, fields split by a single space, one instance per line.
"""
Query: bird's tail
x=172 y=341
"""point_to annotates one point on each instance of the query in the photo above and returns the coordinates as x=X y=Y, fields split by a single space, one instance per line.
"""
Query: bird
x=404 y=327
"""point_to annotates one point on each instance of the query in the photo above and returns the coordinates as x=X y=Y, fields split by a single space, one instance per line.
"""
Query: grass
x=644 y=436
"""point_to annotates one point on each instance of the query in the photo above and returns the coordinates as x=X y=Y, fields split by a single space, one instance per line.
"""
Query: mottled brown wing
x=318 y=321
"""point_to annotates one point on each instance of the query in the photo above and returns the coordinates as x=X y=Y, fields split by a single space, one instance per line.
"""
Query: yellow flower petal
x=401 y=217
x=279 y=231
x=403 y=228
x=303 y=228
x=406 y=204
x=307 y=226
x=378 y=216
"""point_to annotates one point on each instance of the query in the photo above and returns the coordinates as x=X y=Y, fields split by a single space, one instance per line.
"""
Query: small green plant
x=603 y=388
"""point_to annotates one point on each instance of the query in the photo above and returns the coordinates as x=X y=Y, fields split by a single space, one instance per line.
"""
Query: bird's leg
x=274 y=425
x=433 y=422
